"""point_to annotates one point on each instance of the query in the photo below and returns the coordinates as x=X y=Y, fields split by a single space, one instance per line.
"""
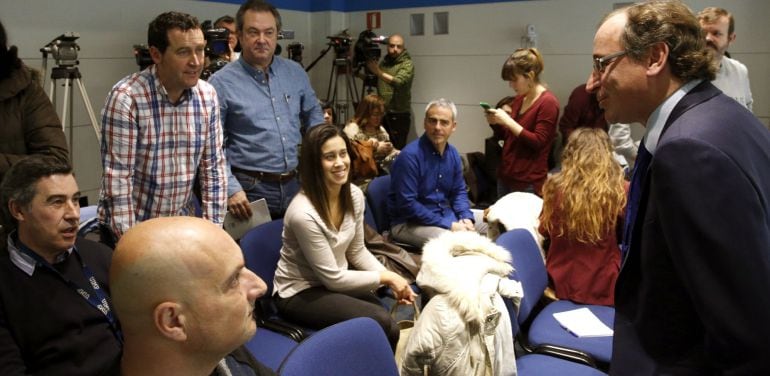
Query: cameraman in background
x=395 y=74
x=228 y=22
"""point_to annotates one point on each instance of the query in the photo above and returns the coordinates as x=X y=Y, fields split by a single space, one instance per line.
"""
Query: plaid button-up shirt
x=153 y=148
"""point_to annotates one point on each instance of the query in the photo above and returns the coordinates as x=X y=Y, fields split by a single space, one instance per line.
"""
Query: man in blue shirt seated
x=427 y=190
x=185 y=299
x=265 y=101
x=56 y=317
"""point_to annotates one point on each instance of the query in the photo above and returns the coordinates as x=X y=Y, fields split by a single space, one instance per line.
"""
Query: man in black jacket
x=55 y=313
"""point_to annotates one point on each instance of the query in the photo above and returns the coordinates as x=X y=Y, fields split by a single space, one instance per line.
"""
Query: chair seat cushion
x=546 y=330
x=270 y=348
x=544 y=365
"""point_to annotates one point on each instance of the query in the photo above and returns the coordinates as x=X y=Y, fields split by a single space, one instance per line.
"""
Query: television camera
x=217 y=48
x=63 y=49
x=367 y=48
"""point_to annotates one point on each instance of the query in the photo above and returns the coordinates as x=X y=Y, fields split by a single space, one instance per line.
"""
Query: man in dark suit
x=693 y=295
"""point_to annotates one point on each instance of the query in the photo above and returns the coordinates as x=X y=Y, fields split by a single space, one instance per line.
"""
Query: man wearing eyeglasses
x=732 y=76
x=691 y=297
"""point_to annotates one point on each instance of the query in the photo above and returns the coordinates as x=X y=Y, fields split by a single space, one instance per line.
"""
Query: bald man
x=185 y=300
x=395 y=74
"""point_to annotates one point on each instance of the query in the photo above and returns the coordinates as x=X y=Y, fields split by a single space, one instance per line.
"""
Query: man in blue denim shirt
x=427 y=190
x=265 y=101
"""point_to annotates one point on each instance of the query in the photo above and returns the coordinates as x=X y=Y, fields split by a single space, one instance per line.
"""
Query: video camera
x=295 y=51
x=217 y=48
x=368 y=47
x=142 y=56
x=63 y=49
x=341 y=43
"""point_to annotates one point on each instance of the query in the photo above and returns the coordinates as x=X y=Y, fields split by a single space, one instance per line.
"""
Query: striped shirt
x=152 y=149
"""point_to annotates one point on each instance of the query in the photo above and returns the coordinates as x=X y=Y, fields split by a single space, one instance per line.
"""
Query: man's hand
x=238 y=205
x=373 y=67
x=463 y=225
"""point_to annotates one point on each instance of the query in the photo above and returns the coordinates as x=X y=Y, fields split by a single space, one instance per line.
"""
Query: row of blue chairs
x=547 y=344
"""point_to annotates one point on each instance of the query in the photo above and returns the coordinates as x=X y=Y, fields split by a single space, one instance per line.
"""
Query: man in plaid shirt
x=161 y=129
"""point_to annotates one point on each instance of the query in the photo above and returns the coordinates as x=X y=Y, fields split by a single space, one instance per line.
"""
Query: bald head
x=182 y=279
x=395 y=45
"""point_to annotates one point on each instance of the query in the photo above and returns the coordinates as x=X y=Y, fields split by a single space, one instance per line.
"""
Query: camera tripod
x=342 y=66
x=71 y=75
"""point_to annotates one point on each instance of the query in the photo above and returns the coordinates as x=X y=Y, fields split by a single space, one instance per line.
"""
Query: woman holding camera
x=323 y=235
x=528 y=129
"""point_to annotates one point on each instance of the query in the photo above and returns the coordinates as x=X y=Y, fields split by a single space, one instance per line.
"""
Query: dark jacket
x=692 y=295
x=28 y=121
x=46 y=327
x=398 y=93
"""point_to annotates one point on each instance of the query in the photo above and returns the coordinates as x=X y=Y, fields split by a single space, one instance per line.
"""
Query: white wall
x=463 y=66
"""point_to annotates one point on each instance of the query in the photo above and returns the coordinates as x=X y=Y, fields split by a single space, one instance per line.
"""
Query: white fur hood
x=455 y=263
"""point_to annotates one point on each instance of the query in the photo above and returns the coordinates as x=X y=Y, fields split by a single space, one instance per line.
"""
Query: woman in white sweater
x=323 y=235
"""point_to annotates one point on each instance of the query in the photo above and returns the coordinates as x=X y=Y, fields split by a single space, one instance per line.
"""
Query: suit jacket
x=693 y=295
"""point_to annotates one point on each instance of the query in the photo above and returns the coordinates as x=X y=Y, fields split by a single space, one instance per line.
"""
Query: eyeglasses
x=601 y=63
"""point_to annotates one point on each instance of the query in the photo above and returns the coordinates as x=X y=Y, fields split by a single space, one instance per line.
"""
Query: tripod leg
x=89 y=110
x=67 y=87
x=329 y=88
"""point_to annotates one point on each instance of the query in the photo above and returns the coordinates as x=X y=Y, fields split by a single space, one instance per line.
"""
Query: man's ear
x=155 y=54
x=731 y=39
x=170 y=321
x=657 y=58
x=15 y=209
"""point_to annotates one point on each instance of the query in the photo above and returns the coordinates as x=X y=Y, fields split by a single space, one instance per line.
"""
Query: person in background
x=529 y=129
x=428 y=195
x=583 y=208
x=582 y=110
x=160 y=133
x=329 y=115
x=185 y=300
x=689 y=299
x=228 y=22
x=325 y=274
x=395 y=74
x=366 y=126
x=266 y=101
x=732 y=76
x=28 y=122
x=56 y=315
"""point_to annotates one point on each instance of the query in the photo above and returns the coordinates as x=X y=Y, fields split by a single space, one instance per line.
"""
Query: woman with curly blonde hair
x=583 y=208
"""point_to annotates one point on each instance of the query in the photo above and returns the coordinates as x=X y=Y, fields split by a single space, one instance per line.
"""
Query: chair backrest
x=261 y=248
x=377 y=198
x=351 y=348
x=528 y=265
x=369 y=218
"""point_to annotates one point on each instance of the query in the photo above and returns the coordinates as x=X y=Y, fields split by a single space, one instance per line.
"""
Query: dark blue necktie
x=643 y=159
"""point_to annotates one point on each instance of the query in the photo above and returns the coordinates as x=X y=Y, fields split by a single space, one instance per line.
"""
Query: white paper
x=582 y=322
x=259 y=214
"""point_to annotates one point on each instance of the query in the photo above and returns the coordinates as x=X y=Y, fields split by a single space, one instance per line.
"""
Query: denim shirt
x=262 y=116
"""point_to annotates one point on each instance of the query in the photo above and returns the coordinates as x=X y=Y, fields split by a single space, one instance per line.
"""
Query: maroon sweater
x=525 y=157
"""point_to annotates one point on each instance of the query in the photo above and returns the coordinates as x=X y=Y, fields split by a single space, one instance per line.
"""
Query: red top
x=524 y=160
x=583 y=272
x=582 y=110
